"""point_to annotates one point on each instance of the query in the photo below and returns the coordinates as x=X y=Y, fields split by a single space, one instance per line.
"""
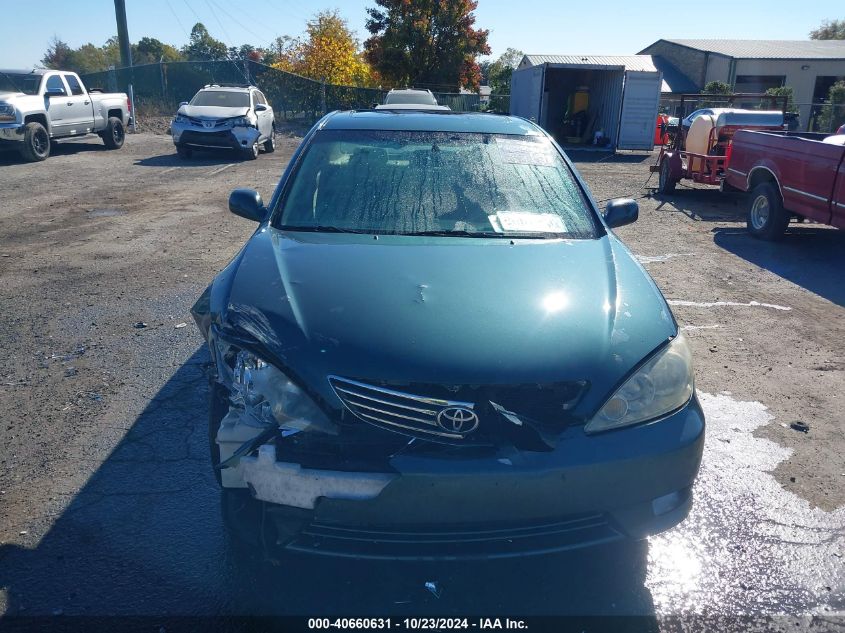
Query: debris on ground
x=181 y=325
x=140 y=325
x=800 y=426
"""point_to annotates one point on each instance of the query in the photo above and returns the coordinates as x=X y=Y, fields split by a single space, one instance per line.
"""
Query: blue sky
x=533 y=26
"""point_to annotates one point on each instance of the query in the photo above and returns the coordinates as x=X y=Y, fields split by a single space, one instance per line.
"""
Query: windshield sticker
x=527 y=222
x=519 y=152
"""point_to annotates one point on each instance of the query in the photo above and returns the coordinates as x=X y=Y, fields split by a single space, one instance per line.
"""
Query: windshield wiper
x=323 y=229
x=445 y=233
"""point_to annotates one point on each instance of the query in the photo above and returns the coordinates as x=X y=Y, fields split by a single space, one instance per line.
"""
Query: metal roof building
x=809 y=67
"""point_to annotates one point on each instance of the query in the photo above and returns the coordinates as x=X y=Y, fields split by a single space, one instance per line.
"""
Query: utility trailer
x=700 y=147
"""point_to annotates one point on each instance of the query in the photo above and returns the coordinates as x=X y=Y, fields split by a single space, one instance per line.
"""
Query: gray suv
x=225 y=117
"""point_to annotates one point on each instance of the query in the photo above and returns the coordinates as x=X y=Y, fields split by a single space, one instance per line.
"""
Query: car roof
x=429 y=121
x=410 y=91
x=411 y=106
x=224 y=88
x=30 y=71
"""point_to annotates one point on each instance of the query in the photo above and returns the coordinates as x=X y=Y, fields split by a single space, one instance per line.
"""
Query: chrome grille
x=403 y=412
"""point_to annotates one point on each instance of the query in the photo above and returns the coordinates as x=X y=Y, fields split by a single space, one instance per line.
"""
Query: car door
x=837 y=206
x=265 y=117
x=56 y=93
x=80 y=113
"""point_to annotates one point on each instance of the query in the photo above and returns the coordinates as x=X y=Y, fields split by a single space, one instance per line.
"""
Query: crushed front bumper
x=629 y=484
x=194 y=136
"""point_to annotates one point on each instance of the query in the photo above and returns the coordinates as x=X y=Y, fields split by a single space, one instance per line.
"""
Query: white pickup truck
x=40 y=105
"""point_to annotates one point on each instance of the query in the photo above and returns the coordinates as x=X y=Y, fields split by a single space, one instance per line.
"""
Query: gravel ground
x=104 y=460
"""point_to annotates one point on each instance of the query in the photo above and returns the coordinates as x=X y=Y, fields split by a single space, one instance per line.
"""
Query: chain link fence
x=824 y=118
x=160 y=88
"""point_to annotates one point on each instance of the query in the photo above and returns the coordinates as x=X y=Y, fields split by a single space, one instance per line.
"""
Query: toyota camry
x=433 y=345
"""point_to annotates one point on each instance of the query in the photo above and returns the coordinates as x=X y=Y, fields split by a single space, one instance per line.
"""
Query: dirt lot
x=104 y=459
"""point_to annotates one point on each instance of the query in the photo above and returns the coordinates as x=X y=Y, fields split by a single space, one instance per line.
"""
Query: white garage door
x=640 y=99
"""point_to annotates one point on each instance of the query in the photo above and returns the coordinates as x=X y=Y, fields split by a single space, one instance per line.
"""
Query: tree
x=58 y=55
x=203 y=47
x=832 y=115
x=426 y=43
x=784 y=91
x=829 y=30
x=149 y=50
x=87 y=59
x=329 y=52
x=500 y=71
x=717 y=88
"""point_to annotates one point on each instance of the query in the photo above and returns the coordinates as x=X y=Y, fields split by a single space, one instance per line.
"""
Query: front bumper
x=629 y=483
x=12 y=132
x=189 y=135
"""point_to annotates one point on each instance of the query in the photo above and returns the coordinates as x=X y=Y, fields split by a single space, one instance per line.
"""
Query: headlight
x=7 y=112
x=181 y=119
x=242 y=121
x=663 y=384
x=273 y=396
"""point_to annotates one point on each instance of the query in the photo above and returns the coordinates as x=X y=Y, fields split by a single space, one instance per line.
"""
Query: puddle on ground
x=749 y=546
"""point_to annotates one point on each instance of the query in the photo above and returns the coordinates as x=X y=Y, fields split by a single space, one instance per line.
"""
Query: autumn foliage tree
x=426 y=43
x=329 y=52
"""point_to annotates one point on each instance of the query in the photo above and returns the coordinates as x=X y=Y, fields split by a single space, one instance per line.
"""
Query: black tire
x=270 y=143
x=114 y=135
x=36 y=143
x=250 y=153
x=184 y=152
x=218 y=406
x=767 y=219
x=665 y=182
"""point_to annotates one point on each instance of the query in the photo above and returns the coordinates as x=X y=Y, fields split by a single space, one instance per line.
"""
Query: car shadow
x=199 y=159
x=808 y=255
x=703 y=204
x=10 y=156
x=145 y=536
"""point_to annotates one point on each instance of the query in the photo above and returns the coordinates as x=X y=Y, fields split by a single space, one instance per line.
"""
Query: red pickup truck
x=789 y=174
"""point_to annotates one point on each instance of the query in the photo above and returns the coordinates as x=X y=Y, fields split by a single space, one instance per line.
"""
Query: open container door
x=527 y=92
x=640 y=102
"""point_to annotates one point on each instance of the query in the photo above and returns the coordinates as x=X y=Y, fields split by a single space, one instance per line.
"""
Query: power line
x=178 y=21
x=236 y=21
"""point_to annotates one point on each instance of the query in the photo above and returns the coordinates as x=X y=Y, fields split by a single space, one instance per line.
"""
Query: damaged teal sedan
x=433 y=346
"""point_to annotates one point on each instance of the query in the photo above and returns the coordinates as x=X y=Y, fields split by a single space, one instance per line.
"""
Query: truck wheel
x=36 y=143
x=184 y=152
x=250 y=153
x=767 y=219
x=665 y=182
x=270 y=143
x=114 y=134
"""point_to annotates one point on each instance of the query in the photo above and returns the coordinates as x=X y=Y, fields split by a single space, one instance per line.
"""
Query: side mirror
x=55 y=92
x=248 y=204
x=260 y=107
x=621 y=211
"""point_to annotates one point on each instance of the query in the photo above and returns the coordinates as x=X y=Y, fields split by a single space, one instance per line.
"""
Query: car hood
x=449 y=311
x=9 y=96
x=212 y=112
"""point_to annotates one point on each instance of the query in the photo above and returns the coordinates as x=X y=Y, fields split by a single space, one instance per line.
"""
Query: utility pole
x=123 y=33
x=125 y=53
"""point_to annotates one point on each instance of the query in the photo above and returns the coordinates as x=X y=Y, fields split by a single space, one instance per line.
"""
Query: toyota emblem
x=457 y=420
